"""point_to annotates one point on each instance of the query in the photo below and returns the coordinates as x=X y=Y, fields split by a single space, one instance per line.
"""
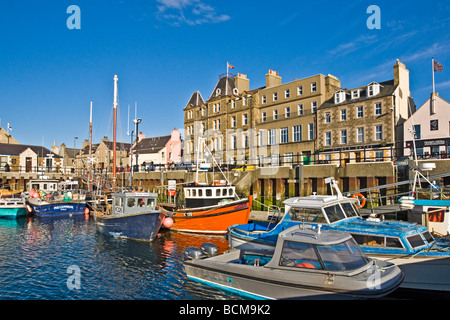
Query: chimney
x=272 y=79
x=242 y=83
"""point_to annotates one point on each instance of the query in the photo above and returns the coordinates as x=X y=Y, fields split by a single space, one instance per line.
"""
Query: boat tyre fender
x=362 y=202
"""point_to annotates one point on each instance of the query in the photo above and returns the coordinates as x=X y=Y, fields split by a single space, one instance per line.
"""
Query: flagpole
x=432 y=95
x=227 y=69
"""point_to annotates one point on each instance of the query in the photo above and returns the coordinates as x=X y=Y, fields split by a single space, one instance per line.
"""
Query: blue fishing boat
x=49 y=198
x=132 y=215
x=12 y=208
x=404 y=243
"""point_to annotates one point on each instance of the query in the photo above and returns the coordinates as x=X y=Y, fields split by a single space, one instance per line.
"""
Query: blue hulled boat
x=404 y=243
x=49 y=198
x=131 y=215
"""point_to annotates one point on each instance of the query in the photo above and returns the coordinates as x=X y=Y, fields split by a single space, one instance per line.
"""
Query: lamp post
x=136 y=122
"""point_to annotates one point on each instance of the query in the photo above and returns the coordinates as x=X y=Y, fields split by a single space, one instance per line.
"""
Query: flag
x=9 y=127
x=230 y=66
x=438 y=67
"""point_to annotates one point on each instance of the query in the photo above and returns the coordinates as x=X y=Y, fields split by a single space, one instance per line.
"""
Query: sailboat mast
x=114 y=128
x=90 y=149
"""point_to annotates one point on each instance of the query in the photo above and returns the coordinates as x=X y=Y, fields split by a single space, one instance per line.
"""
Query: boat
x=132 y=215
x=210 y=208
x=306 y=263
x=411 y=246
x=45 y=198
x=429 y=205
x=12 y=208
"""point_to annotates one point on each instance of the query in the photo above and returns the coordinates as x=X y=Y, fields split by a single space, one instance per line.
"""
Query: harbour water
x=67 y=259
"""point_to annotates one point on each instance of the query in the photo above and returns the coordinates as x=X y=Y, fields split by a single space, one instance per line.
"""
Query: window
x=379 y=155
x=287 y=93
x=313 y=87
x=218 y=124
x=373 y=89
x=311 y=131
x=233 y=121
x=245 y=140
x=299 y=90
x=272 y=136
x=434 y=125
x=263 y=99
x=360 y=112
x=244 y=119
x=300 y=109
x=263 y=116
x=297 y=133
x=360 y=134
x=378 y=132
x=378 y=108
x=275 y=114
x=300 y=255
x=284 y=135
x=417 y=131
x=203 y=111
x=355 y=93
x=244 y=100
x=314 y=106
x=344 y=136
x=343 y=114
x=261 y=137
x=327 y=117
x=275 y=96
x=233 y=142
x=328 y=138
x=287 y=112
x=233 y=104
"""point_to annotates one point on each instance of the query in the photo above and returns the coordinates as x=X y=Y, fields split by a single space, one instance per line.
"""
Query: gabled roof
x=17 y=149
x=152 y=145
x=196 y=99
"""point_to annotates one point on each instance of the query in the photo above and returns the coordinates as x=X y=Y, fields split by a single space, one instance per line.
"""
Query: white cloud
x=190 y=12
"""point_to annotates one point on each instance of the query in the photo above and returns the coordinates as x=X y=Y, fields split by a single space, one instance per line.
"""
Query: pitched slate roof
x=226 y=86
x=152 y=145
x=17 y=149
x=387 y=88
x=196 y=99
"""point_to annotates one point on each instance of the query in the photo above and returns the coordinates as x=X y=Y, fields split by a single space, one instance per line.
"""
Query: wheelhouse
x=133 y=202
x=207 y=195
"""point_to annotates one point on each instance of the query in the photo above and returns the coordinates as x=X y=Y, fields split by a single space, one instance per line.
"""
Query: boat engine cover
x=193 y=253
x=210 y=249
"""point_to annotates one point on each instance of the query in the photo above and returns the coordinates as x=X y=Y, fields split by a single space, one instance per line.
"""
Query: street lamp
x=136 y=122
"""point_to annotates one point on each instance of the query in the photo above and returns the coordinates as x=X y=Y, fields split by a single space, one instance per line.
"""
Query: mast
x=114 y=129
x=90 y=150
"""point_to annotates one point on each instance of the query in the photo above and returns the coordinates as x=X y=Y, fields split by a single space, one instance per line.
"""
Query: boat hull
x=12 y=213
x=214 y=219
x=60 y=208
x=139 y=226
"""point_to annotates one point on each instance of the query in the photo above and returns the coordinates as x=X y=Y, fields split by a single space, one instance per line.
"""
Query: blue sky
x=164 y=50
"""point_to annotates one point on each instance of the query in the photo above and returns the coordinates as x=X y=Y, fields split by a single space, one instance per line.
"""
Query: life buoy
x=362 y=201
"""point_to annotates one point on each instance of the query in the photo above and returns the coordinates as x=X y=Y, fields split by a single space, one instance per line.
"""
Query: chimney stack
x=272 y=79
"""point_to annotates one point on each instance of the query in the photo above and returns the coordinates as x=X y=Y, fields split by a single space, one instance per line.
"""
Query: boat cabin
x=205 y=195
x=133 y=202
x=44 y=184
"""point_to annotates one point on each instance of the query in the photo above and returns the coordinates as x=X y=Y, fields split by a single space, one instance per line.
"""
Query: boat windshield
x=343 y=256
x=307 y=215
x=340 y=211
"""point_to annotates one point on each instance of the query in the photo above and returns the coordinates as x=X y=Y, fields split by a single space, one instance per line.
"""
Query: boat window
x=200 y=192
x=307 y=215
x=334 y=213
x=230 y=191
x=368 y=240
x=415 y=241
x=141 y=202
x=131 y=202
x=217 y=192
x=194 y=192
x=208 y=192
x=300 y=255
x=349 y=209
x=427 y=235
x=118 y=202
x=343 y=256
x=393 y=243
x=35 y=186
x=224 y=192
x=45 y=186
x=150 y=202
x=188 y=192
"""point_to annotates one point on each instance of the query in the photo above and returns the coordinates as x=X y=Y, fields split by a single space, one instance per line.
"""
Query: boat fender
x=168 y=222
x=192 y=253
x=209 y=249
x=86 y=210
x=363 y=199
x=29 y=208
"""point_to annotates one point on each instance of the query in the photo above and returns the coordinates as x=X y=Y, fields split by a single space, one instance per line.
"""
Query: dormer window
x=339 y=96
x=218 y=92
x=355 y=94
x=373 y=89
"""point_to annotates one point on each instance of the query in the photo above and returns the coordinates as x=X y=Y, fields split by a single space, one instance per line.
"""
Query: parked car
x=245 y=167
x=189 y=166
